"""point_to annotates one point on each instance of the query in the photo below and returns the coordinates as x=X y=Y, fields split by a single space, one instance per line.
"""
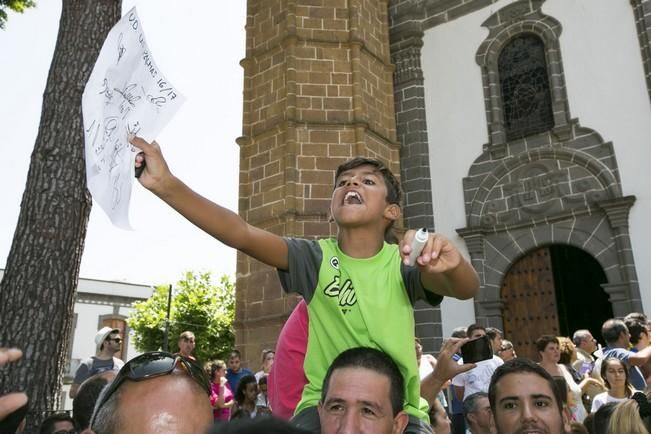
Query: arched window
x=524 y=83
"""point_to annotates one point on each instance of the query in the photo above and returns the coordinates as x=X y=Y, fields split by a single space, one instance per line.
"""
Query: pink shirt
x=287 y=378
x=221 y=414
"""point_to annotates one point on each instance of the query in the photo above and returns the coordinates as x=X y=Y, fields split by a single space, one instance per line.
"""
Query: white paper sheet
x=126 y=93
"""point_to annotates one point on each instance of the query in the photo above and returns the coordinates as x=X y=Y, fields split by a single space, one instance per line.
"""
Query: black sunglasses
x=151 y=365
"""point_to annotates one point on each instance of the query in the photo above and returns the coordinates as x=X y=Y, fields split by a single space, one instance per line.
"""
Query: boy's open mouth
x=352 y=198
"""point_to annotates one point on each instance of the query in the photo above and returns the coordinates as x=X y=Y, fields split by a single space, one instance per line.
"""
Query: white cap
x=101 y=336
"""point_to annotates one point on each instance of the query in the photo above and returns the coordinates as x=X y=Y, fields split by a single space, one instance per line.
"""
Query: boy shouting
x=358 y=288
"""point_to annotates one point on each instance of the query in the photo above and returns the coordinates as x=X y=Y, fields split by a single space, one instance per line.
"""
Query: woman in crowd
x=221 y=396
x=550 y=354
x=631 y=416
x=588 y=386
x=246 y=396
x=267 y=361
x=506 y=351
x=615 y=376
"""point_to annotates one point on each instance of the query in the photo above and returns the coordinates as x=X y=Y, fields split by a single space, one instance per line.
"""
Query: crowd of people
x=576 y=386
x=347 y=359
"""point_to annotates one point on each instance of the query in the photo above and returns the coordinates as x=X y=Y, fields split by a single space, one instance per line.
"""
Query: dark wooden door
x=529 y=302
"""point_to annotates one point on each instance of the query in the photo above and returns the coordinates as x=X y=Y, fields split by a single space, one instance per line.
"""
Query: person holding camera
x=478 y=378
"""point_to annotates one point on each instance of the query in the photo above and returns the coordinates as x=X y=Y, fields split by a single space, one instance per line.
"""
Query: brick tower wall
x=318 y=90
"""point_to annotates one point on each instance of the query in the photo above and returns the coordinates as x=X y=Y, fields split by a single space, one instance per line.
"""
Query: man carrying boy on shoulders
x=358 y=289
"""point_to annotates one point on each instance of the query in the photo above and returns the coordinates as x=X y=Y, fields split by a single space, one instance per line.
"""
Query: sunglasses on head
x=151 y=365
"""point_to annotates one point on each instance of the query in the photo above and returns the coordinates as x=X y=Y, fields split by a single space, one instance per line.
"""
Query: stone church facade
x=481 y=107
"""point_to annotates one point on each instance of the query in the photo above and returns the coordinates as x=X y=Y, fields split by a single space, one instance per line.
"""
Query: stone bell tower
x=318 y=90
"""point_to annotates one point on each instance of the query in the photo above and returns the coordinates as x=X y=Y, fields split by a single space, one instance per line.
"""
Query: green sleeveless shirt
x=356 y=303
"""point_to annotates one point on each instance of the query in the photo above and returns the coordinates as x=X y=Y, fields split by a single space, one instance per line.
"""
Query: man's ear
x=392 y=212
x=400 y=422
x=566 y=418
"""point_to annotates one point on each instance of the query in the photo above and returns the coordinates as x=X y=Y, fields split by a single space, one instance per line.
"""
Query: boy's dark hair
x=84 y=402
x=635 y=328
x=373 y=360
x=259 y=425
x=241 y=387
x=48 y=424
x=235 y=353
x=523 y=366
x=394 y=194
x=544 y=340
x=472 y=327
x=612 y=329
x=11 y=422
x=262 y=380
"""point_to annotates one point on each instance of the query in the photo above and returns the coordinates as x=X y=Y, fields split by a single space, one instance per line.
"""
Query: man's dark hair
x=394 y=194
x=235 y=353
x=612 y=330
x=11 y=422
x=373 y=360
x=636 y=316
x=493 y=332
x=602 y=417
x=472 y=327
x=635 y=328
x=523 y=366
x=84 y=402
x=470 y=404
x=459 y=332
x=47 y=426
x=259 y=425
x=544 y=340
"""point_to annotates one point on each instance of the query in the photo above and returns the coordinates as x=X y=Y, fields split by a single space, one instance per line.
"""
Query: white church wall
x=456 y=128
x=606 y=91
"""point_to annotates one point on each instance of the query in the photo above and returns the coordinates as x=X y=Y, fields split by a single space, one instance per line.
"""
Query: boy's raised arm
x=219 y=222
x=443 y=269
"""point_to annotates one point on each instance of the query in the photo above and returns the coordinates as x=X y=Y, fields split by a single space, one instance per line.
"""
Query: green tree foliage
x=14 y=5
x=198 y=305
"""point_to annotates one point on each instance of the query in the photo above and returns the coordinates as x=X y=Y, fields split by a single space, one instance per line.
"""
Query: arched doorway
x=553 y=290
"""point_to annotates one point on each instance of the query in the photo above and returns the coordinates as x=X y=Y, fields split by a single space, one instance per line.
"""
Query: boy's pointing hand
x=438 y=255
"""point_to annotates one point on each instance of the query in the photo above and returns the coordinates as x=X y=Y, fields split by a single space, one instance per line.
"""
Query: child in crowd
x=246 y=396
x=262 y=402
x=221 y=396
x=359 y=290
x=615 y=375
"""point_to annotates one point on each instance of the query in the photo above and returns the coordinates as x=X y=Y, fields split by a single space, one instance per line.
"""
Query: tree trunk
x=37 y=293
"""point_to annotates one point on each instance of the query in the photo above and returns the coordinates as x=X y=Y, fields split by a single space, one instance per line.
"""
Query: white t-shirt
x=477 y=379
x=603 y=398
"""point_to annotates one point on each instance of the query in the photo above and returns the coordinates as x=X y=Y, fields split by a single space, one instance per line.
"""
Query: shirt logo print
x=345 y=293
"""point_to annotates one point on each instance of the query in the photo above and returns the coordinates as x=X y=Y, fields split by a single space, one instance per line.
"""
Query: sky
x=198 y=48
